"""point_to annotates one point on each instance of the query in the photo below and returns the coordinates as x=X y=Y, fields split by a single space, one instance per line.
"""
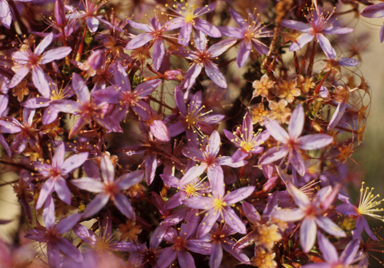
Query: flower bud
x=174 y=75
x=61 y=20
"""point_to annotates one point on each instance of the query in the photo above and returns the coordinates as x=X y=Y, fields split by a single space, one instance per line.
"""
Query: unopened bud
x=61 y=20
x=174 y=75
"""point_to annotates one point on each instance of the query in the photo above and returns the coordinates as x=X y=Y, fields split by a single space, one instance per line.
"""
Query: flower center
x=111 y=188
x=246 y=145
x=179 y=243
x=219 y=204
x=190 y=190
x=189 y=16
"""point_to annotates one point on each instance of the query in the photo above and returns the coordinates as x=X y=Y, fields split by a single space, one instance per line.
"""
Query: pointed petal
x=297 y=162
x=288 y=215
x=166 y=257
x=80 y=88
x=69 y=249
x=337 y=114
x=251 y=212
x=139 y=41
x=337 y=30
x=44 y=44
x=374 y=11
x=55 y=54
x=193 y=173
x=239 y=194
x=58 y=158
x=326 y=46
x=207 y=28
x=220 y=47
x=150 y=168
x=84 y=234
x=308 y=233
x=158 y=53
x=40 y=80
x=314 y=141
x=160 y=131
x=296 y=25
x=62 y=190
x=185 y=33
x=230 y=31
x=74 y=162
x=234 y=221
x=96 y=205
x=128 y=180
x=123 y=204
x=49 y=213
x=92 y=23
x=301 y=199
x=301 y=41
x=141 y=26
x=45 y=192
x=207 y=223
x=67 y=223
x=214 y=143
x=216 y=255
x=214 y=73
x=330 y=227
x=107 y=169
x=198 y=202
x=191 y=75
x=216 y=179
x=238 y=18
x=276 y=130
x=349 y=253
x=273 y=154
x=19 y=75
x=327 y=248
x=243 y=53
x=296 y=123
x=88 y=184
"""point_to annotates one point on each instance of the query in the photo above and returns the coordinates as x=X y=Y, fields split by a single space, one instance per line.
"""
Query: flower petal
x=314 y=141
x=296 y=123
x=239 y=194
x=301 y=41
x=234 y=221
x=326 y=46
x=123 y=204
x=73 y=162
x=128 y=180
x=308 y=233
x=96 y=205
x=44 y=44
x=330 y=227
x=55 y=54
x=327 y=248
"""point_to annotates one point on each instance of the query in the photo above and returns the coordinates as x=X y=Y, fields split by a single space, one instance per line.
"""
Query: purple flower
x=102 y=242
x=187 y=17
x=90 y=15
x=367 y=206
x=207 y=156
x=249 y=31
x=55 y=93
x=291 y=143
x=347 y=257
x=182 y=243
x=219 y=205
x=311 y=213
x=56 y=173
x=246 y=140
x=192 y=119
x=126 y=97
x=317 y=26
x=86 y=107
x=203 y=57
x=220 y=239
x=109 y=189
x=52 y=235
x=26 y=60
x=375 y=11
x=154 y=33
x=144 y=255
x=186 y=190
x=27 y=134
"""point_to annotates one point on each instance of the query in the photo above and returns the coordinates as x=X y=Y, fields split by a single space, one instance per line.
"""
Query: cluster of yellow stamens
x=368 y=203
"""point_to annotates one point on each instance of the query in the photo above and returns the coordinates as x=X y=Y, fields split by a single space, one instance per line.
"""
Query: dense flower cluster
x=128 y=155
